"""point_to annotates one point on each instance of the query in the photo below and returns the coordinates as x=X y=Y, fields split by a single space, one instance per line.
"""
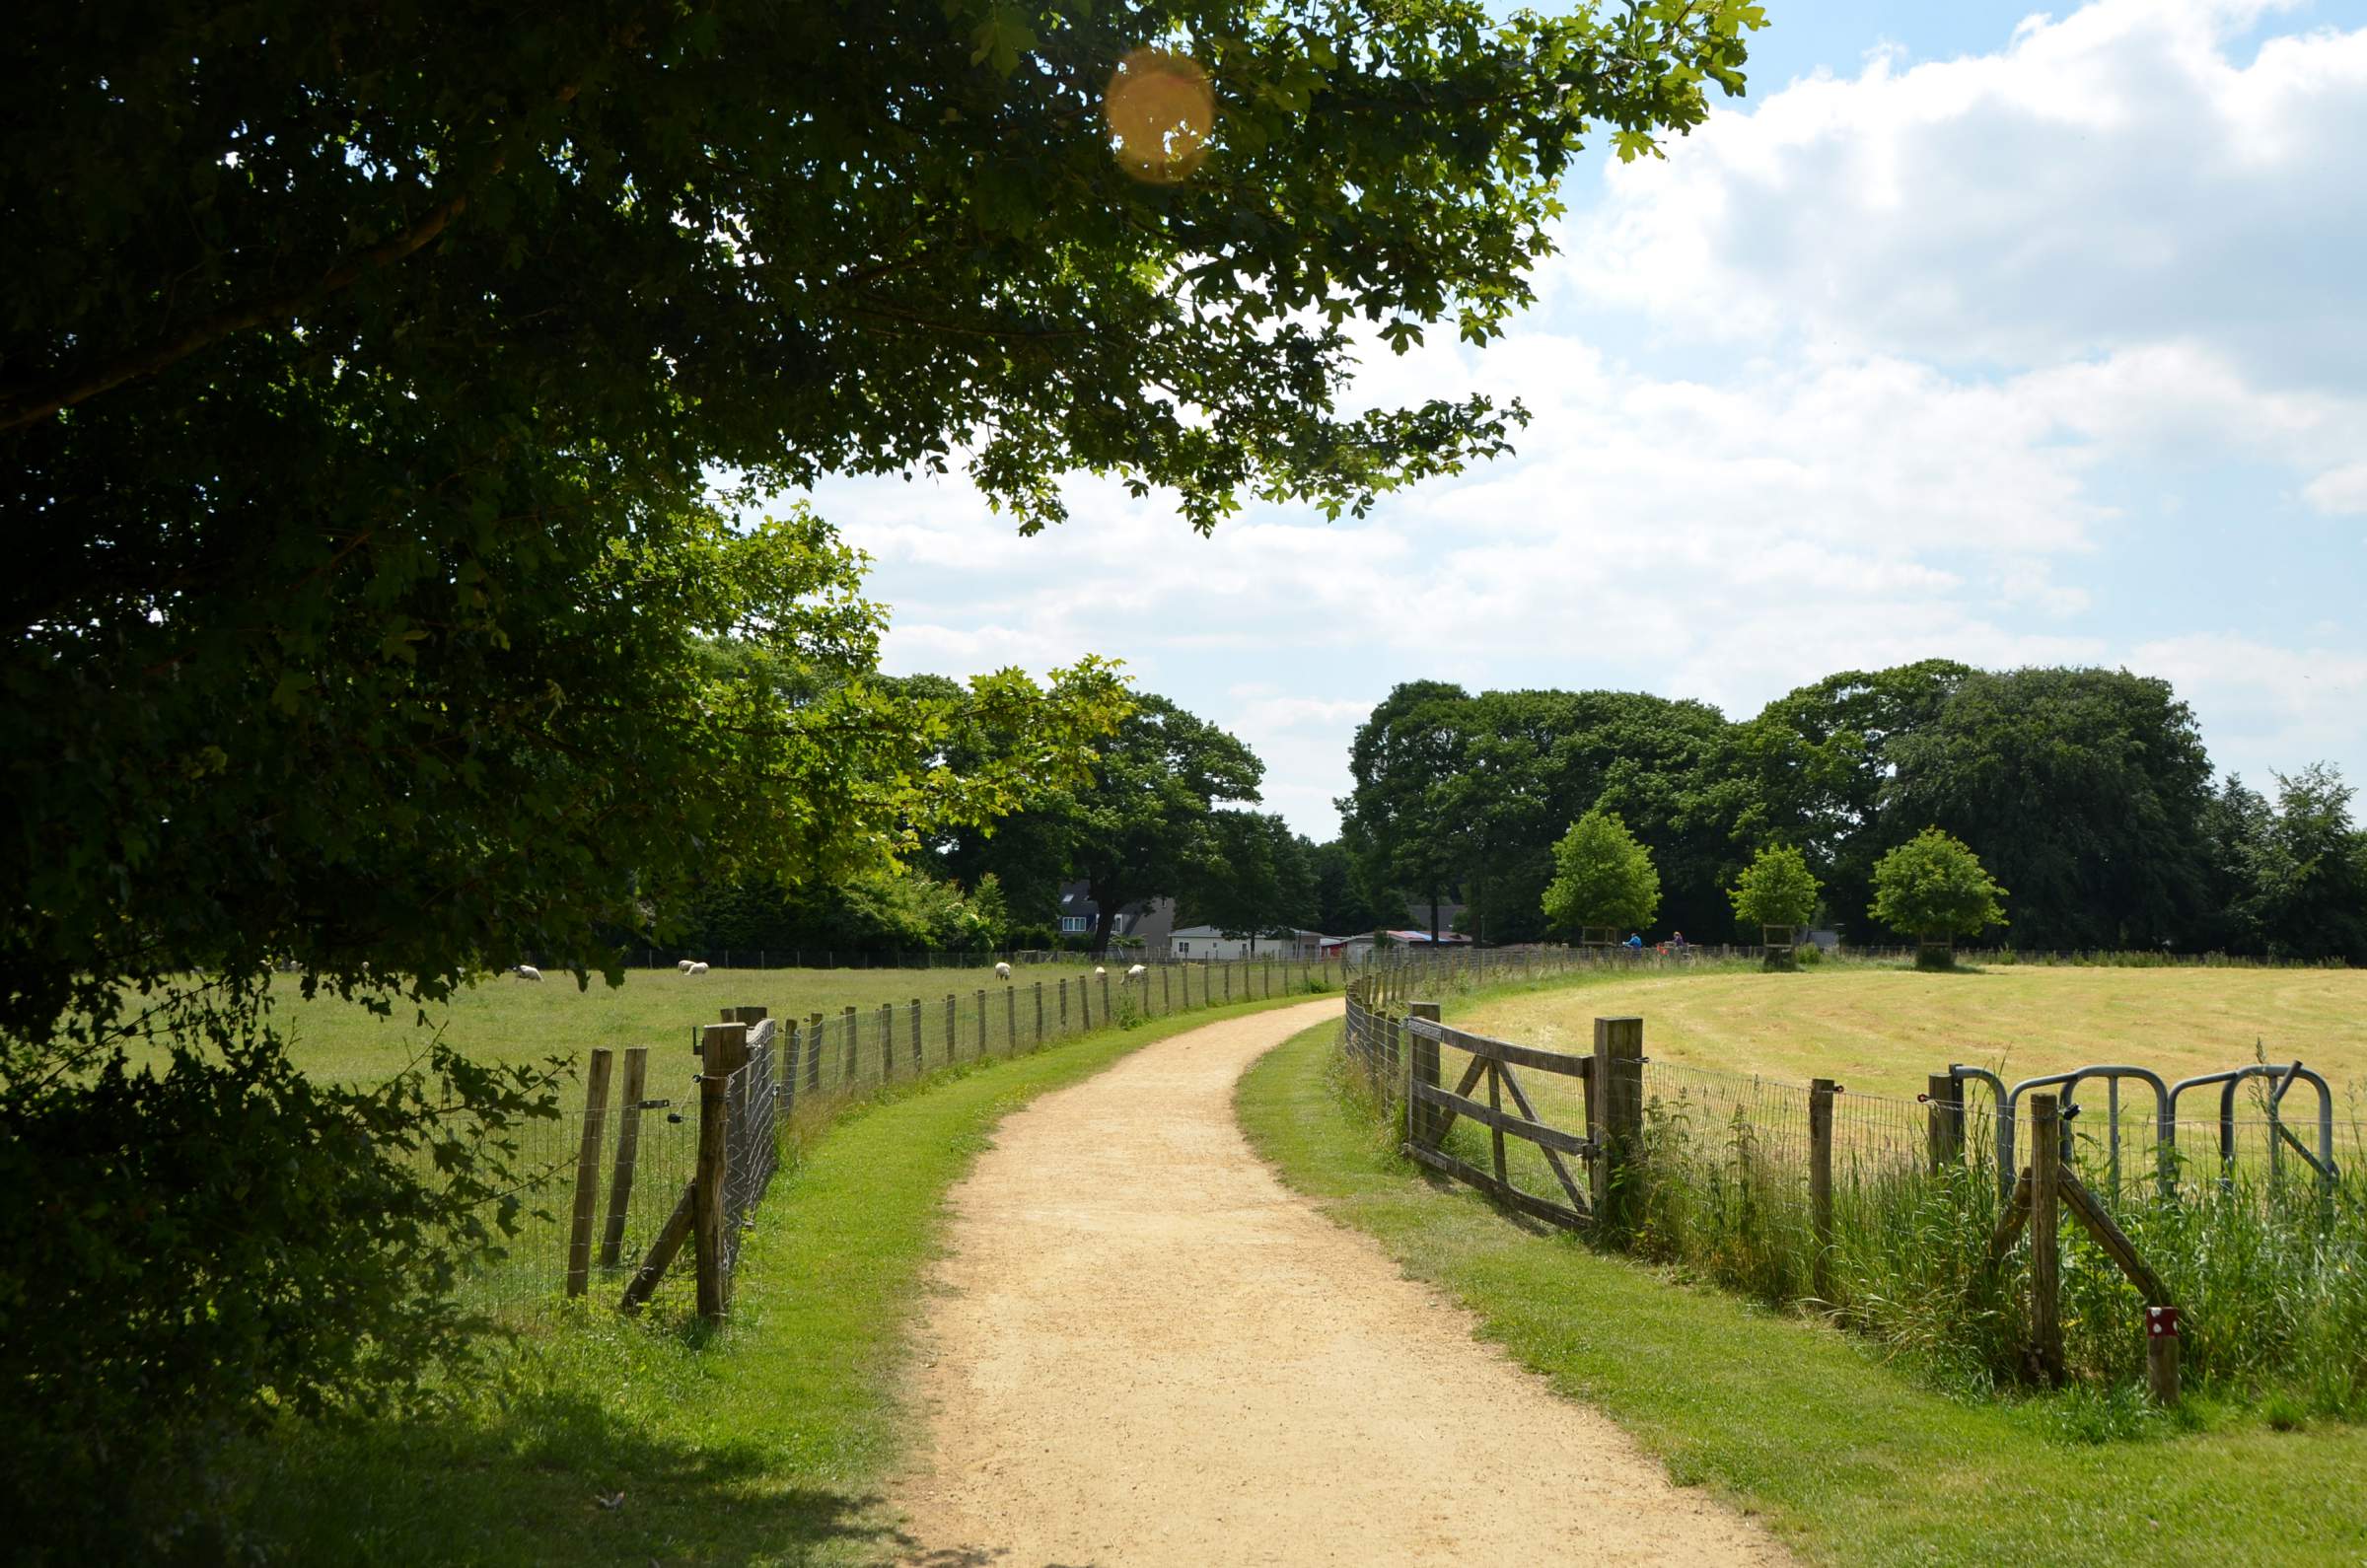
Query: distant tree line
x=1169 y=811
x=2088 y=793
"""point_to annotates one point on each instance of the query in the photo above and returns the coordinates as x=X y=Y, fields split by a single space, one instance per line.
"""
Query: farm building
x=1194 y=944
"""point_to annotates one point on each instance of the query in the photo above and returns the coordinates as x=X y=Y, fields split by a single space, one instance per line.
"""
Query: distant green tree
x=1933 y=887
x=1400 y=821
x=2307 y=894
x=1141 y=829
x=1340 y=906
x=1601 y=876
x=1253 y=878
x=1776 y=889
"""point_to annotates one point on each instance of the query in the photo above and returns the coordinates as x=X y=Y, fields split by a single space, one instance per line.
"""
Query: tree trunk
x=1434 y=916
x=1105 y=919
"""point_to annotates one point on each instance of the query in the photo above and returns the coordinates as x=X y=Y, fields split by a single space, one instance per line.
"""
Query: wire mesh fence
x=602 y=1181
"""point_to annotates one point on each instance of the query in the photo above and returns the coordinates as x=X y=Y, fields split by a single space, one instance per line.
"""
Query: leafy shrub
x=216 y=1245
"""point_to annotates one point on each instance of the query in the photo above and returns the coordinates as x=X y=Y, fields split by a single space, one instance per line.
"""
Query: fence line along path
x=1146 y=1350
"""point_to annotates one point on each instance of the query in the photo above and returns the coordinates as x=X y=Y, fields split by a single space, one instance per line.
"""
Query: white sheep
x=527 y=971
x=695 y=968
x=1002 y=972
x=1136 y=972
x=684 y=964
x=1098 y=970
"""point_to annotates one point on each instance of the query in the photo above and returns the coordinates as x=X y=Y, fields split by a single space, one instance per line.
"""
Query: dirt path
x=1148 y=1351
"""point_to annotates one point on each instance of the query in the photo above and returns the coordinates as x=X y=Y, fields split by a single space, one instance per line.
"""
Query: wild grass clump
x=2270 y=1274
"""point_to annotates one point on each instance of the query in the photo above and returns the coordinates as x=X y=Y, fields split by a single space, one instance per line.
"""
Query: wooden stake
x=1944 y=1130
x=2160 y=1354
x=628 y=1150
x=2046 y=1261
x=587 y=1171
x=670 y=1237
x=1819 y=1181
x=706 y=1190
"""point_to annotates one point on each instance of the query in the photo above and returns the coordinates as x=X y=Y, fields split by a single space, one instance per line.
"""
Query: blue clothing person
x=1636 y=943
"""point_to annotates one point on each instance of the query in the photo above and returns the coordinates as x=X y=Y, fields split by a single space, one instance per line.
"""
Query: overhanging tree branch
x=20 y=408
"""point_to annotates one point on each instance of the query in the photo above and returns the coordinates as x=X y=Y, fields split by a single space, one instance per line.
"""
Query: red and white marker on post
x=2160 y=1354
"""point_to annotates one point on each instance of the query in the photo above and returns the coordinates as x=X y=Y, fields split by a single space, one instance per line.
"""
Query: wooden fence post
x=1228 y=968
x=854 y=1032
x=1038 y=1012
x=724 y=1047
x=1820 y=1182
x=814 y=1044
x=887 y=1042
x=587 y=1170
x=2160 y=1354
x=1426 y=1122
x=1945 y=1131
x=1011 y=1018
x=1617 y=1080
x=952 y=1029
x=2046 y=1263
x=628 y=1152
x=1085 y=1003
x=1166 y=1000
x=786 y=1098
x=982 y=1023
x=1064 y=1004
x=920 y=1042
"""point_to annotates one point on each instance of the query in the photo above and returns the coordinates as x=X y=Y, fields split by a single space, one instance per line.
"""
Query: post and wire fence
x=669 y=1151
x=1890 y=1215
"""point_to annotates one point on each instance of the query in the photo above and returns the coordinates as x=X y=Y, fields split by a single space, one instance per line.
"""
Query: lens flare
x=1160 y=110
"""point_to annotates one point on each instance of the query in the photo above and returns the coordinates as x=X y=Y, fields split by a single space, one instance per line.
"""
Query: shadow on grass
x=543 y=1477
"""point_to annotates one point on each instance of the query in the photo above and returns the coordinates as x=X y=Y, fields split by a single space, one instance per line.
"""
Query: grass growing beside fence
x=2271 y=1271
x=1850 y=1461
x=764 y=1443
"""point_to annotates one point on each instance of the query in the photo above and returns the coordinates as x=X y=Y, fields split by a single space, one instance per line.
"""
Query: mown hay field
x=1882 y=1029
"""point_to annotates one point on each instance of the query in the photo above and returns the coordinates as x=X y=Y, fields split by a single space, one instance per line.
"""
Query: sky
x=1970 y=332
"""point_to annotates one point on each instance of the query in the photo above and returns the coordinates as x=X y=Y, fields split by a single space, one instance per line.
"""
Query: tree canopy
x=2094 y=783
x=1601 y=876
x=1255 y=878
x=1146 y=825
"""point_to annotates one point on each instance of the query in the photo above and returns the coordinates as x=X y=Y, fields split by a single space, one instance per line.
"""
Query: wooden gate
x=1430 y=1110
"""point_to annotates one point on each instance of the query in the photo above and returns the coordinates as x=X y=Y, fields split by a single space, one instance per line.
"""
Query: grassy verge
x=1849 y=1459
x=597 y=1440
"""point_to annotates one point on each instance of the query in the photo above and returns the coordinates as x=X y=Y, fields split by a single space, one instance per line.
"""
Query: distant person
x=1635 y=944
x=1676 y=940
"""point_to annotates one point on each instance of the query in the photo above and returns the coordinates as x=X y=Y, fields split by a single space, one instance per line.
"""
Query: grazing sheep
x=1002 y=972
x=1136 y=972
x=695 y=968
x=527 y=971
x=684 y=964
x=1098 y=970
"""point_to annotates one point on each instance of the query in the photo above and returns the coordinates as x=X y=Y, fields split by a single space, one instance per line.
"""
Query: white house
x=1197 y=944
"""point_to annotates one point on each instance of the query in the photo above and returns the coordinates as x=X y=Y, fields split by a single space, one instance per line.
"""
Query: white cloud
x=2115 y=176
x=2263 y=706
x=2343 y=489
